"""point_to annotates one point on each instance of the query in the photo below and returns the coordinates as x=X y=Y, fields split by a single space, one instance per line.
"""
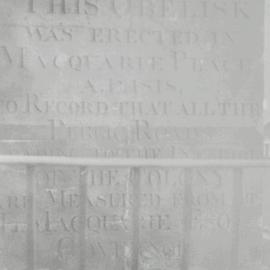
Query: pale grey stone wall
x=133 y=79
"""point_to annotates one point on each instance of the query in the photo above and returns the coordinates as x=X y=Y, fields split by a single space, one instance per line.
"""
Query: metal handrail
x=131 y=162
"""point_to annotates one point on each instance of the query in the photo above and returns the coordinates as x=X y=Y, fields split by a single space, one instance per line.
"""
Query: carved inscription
x=85 y=69
x=90 y=222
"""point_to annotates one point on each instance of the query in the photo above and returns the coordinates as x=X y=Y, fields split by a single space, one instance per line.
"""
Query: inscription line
x=30 y=217
x=83 y=198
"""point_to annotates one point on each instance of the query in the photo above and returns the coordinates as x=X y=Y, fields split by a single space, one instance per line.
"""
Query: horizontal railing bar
x=130 y=162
